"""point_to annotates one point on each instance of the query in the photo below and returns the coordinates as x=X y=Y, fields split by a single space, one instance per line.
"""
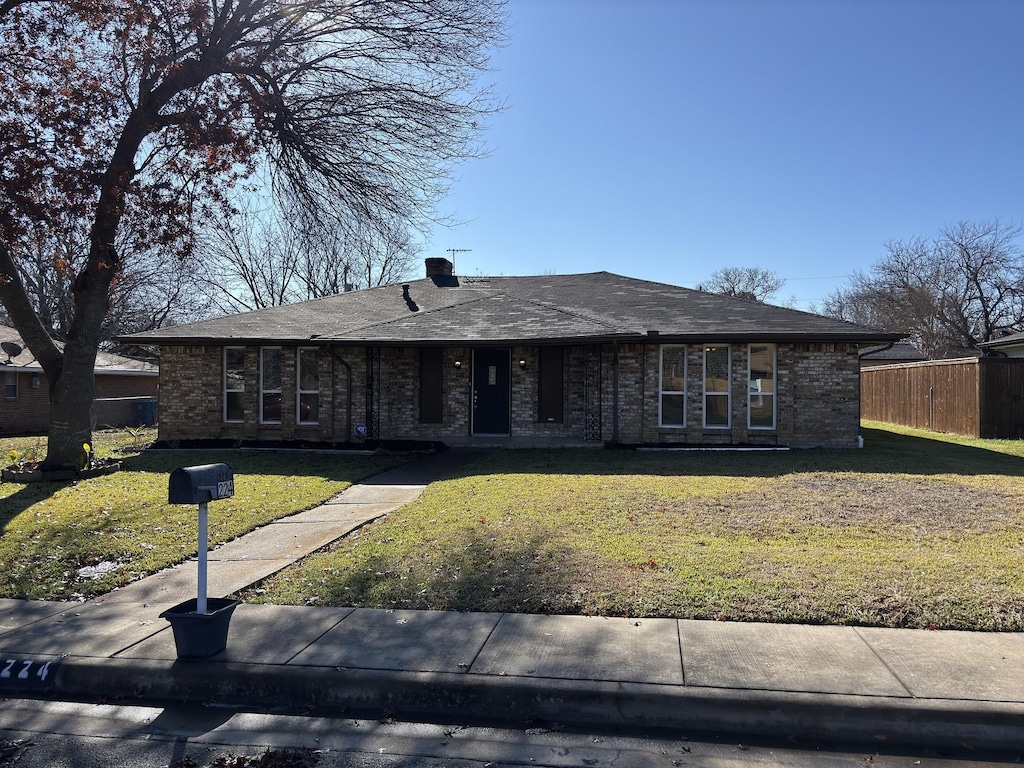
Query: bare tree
x=751 y=283
x=946 y=294
x=136 y=119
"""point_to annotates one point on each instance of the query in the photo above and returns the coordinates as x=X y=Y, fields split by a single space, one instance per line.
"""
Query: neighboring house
x=890 y=354
x=1008 y=346
x=552 y=359
x=125 y=389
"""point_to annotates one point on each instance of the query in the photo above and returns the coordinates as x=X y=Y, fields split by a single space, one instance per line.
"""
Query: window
x=716 y=386
x=11 y=385
x=761 y=413
x=431 y=385
x=270 y=385
x=308 y=389
x=234 y=384
x=550 y=387
x=673 y=387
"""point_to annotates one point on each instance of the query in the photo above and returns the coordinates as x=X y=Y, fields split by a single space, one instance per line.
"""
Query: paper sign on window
x=492 y=375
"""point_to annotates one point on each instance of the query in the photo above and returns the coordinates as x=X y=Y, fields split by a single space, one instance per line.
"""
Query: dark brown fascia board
x=628 y=338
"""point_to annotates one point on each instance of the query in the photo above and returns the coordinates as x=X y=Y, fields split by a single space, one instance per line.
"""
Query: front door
x=491 y=386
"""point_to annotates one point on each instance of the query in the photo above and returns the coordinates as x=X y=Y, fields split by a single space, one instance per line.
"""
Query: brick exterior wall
x=29 y=412
x=817 y=396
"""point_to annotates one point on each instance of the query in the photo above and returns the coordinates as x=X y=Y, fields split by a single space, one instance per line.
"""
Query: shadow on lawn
x=884 y=452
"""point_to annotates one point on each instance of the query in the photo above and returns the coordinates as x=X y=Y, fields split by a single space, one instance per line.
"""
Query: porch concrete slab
x=257 y=634
x=367 y=493
x=783 y=657
x=15 y=614
x=982 y=666
x=180 y=583
x=340 y=514
x=584 y=648
x=276 y=541
x=406 y=641
x=86 y=629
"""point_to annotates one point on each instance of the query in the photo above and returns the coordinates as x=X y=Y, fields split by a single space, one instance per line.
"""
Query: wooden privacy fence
x=979 y=397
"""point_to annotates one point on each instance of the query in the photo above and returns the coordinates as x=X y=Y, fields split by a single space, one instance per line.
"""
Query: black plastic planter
x=199 y=635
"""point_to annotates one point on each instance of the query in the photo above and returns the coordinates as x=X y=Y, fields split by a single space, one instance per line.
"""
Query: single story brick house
x=125 y=390
x=553 y=359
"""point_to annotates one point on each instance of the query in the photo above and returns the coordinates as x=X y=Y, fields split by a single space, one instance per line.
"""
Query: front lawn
x=68 y=540
x=913 y=530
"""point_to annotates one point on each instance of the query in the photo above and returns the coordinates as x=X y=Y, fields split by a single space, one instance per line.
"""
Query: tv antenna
x=13 y=349
x=453 y=251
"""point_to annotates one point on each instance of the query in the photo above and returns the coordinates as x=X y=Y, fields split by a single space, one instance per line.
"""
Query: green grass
x=49 y=531
x=914 y=530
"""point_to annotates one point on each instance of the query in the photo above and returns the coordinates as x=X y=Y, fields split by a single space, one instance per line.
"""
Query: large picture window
x=762 y=386
x=308 y=389
x=717 y=374
x=673 y=387
x=270 y=385
x=234 y=384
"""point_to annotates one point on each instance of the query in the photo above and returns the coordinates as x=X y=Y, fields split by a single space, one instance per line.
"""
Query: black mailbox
x=198 y=485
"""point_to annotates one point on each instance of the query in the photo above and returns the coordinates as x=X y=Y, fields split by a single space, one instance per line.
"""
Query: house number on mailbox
x=492 y=375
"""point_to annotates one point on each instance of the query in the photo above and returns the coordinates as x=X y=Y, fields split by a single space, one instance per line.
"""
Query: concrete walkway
x=878 y=686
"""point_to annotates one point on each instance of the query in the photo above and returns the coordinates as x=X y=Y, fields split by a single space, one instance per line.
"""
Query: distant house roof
x=903 y=351
x=106 y=363
x=1013 y=340
x=448 y=309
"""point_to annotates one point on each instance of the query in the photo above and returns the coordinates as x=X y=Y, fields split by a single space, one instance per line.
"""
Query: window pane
x=233 y=408
x=272 y=407
x=673 y=369
x=762 y=367
x=272 y=369
x=309 y=408
x=309 y=371
x=672 y=410
x=234 y=369
x=762 y=411
x=716 y=410
x=716 y=369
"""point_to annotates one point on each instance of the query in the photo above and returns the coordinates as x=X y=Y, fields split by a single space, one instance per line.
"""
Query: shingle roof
x=1013 y=340
x=547 y=308
x=902 y=351
x=106 y=363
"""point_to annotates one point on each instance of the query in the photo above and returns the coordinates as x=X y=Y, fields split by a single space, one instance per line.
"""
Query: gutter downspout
x=335 y=357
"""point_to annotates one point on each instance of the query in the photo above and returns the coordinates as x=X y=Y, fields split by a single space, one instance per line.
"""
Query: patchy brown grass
x=909 y=532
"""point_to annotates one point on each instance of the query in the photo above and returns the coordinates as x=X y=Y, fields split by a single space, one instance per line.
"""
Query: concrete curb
x=576 y=705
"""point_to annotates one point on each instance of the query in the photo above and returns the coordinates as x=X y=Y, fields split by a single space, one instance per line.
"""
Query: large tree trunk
x=71 y=408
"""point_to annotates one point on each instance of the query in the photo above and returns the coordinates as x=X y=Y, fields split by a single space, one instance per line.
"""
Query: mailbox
x=198 y=485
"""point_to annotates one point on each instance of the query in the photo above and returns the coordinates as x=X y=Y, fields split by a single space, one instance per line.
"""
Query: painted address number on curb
x=26 y=674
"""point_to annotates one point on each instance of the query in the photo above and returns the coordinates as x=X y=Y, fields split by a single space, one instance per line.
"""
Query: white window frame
x=728 y=388
x=11 y=380
x=663 y=392
x=264 y=390
x=752 y=393
x=299 y=391
x=224 y=386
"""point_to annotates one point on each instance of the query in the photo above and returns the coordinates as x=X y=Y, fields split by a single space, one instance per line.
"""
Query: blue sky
x=664 y=139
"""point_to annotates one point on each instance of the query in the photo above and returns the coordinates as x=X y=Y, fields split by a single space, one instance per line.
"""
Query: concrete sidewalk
x=881 y=686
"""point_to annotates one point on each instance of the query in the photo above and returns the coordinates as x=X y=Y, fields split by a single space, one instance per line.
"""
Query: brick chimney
x=439 y=267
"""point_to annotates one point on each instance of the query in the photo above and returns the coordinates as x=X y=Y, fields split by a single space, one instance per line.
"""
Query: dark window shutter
x=431 y=389
x=550 y=385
